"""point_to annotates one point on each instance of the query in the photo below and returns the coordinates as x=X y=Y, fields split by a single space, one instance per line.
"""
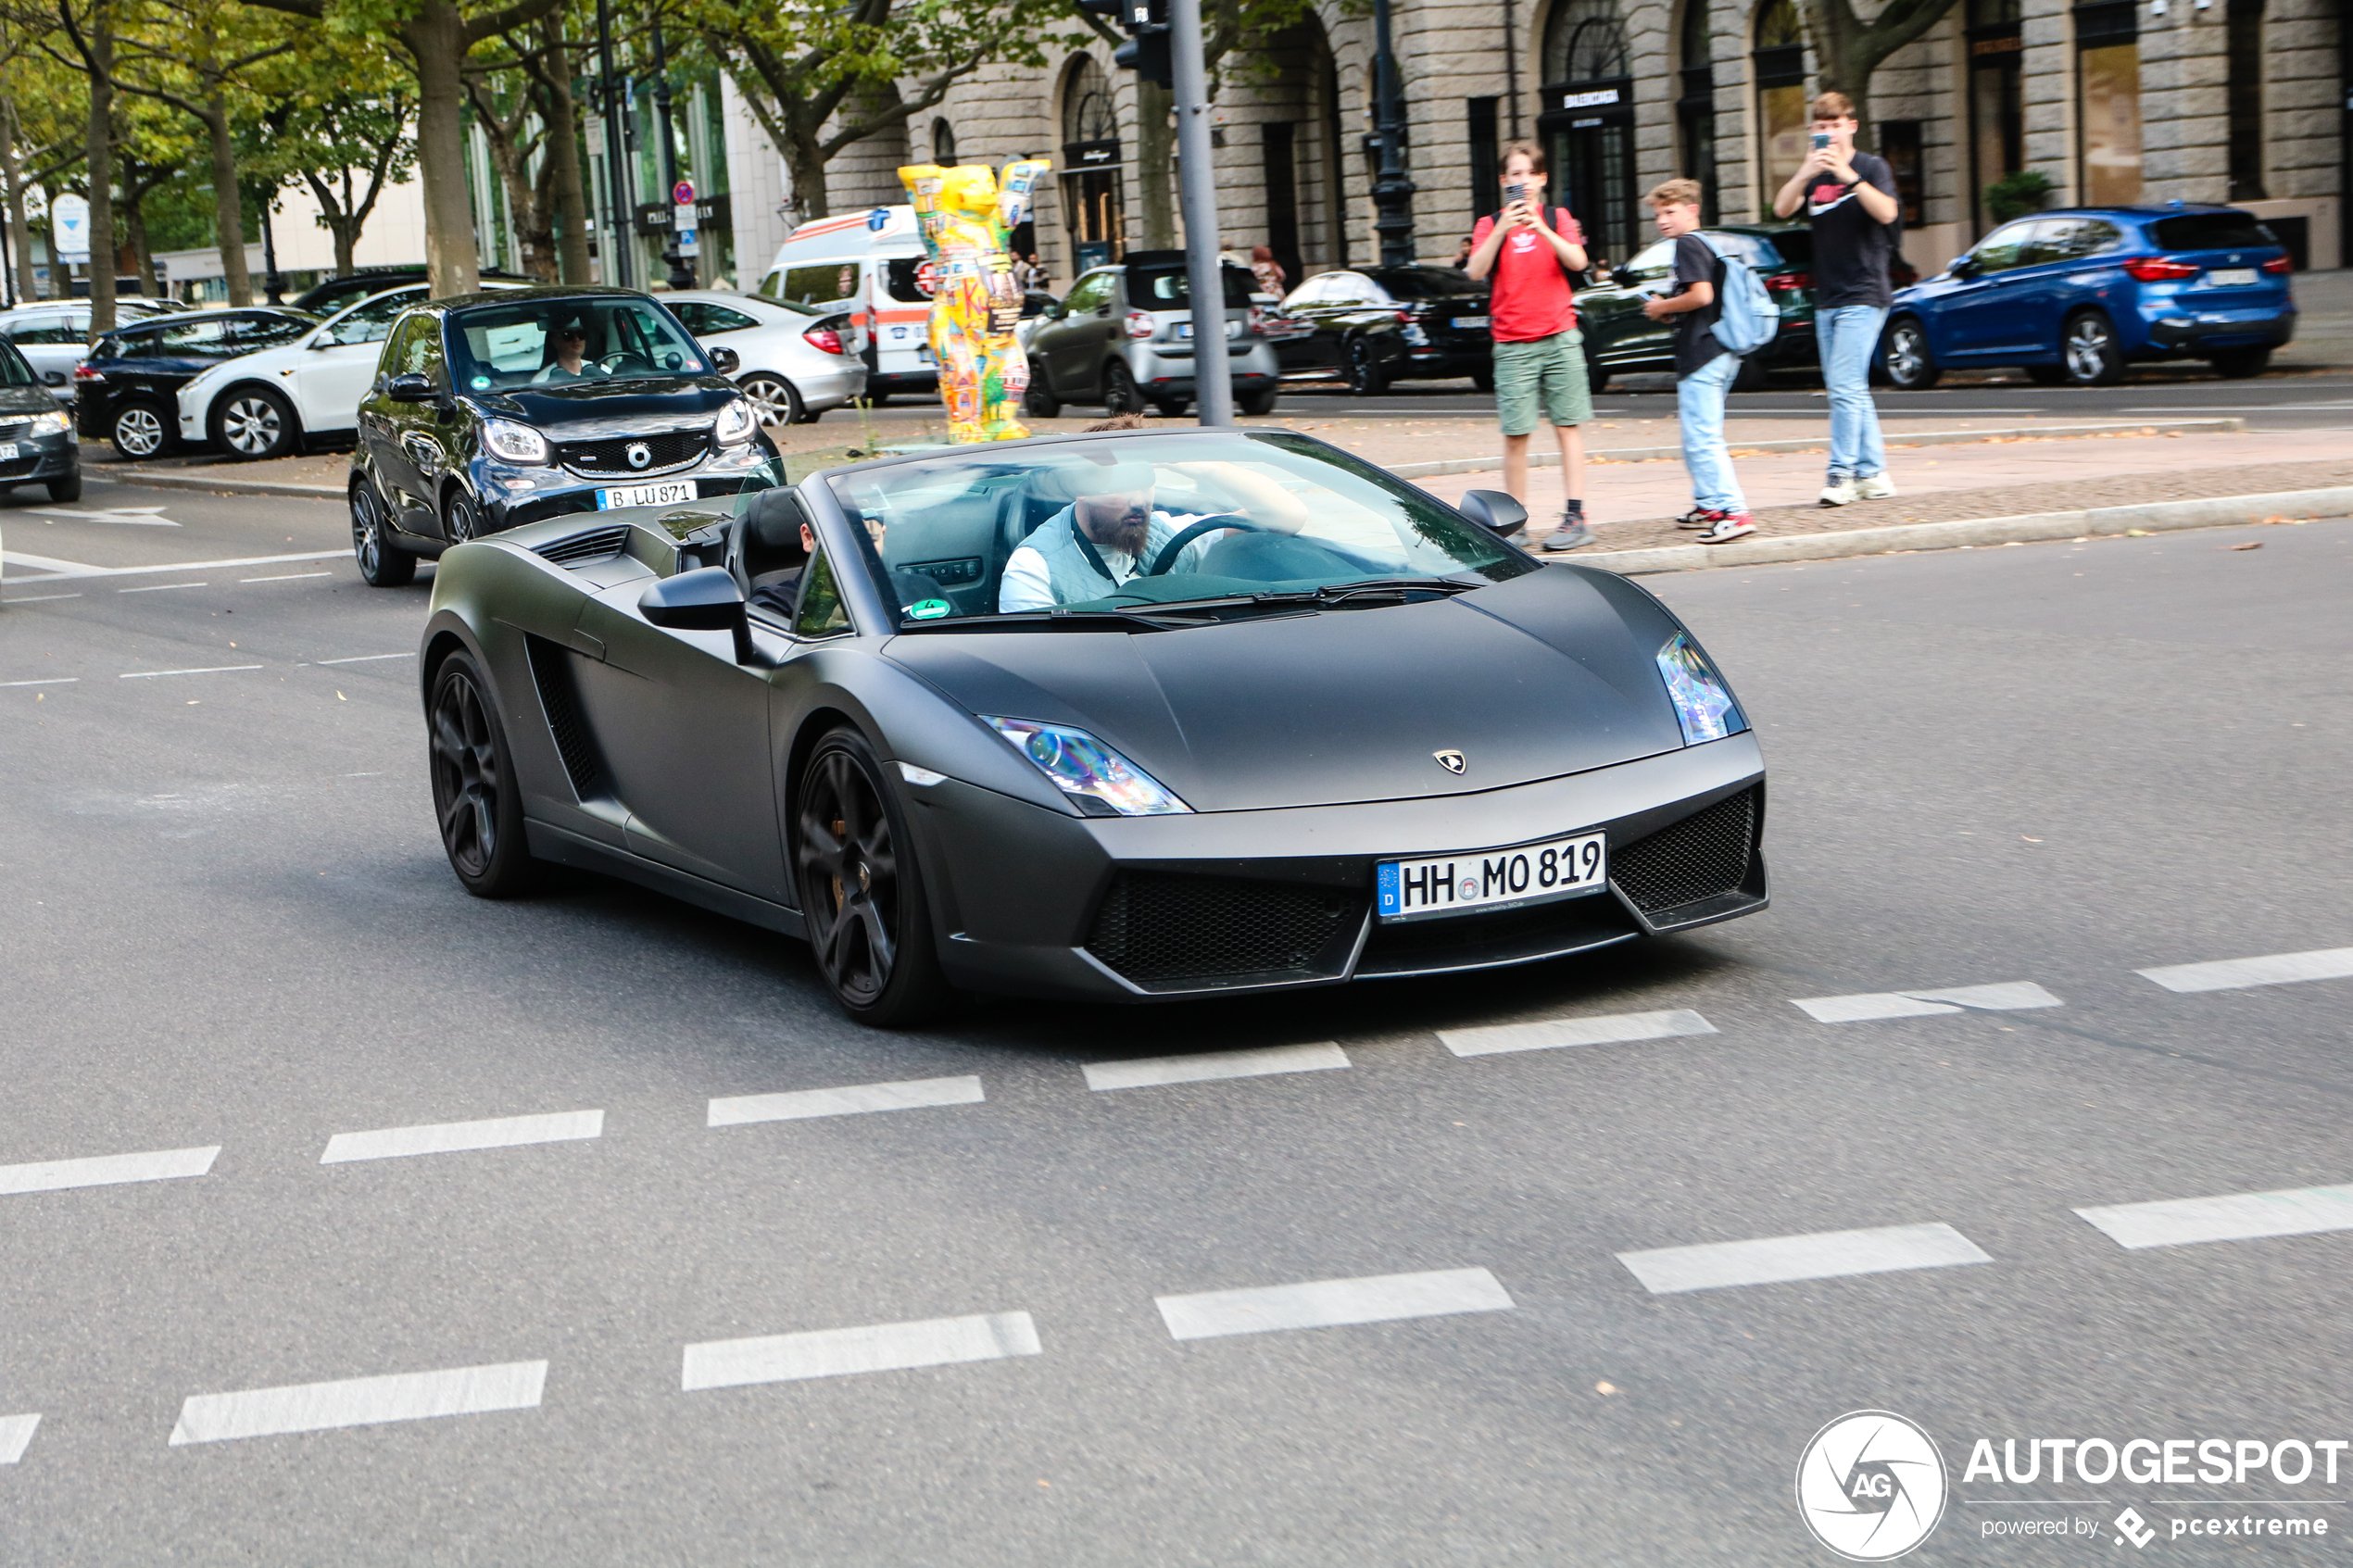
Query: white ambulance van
x=864 y=263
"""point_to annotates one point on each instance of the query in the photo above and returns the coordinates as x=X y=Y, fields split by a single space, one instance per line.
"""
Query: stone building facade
x=2110 y=101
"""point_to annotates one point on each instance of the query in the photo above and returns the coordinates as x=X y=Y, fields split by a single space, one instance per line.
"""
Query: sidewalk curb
x=217 y=486
x=2155 y=516
x=2227 y=425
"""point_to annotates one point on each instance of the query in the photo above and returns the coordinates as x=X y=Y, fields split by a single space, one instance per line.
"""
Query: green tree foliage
x=1847 y=50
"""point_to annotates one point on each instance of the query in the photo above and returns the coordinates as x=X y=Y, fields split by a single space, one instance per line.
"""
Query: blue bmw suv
x=2075 y=296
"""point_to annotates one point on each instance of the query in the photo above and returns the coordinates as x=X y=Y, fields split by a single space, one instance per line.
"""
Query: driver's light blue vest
x=1074 y=579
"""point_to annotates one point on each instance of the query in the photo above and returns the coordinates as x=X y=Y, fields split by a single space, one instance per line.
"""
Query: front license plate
x=1470 y=321
x=1489 y=879
x=646 y=495
x=2230 y=277
x=7 y=451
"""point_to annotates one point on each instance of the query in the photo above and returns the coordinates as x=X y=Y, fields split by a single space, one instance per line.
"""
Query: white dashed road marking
x=38 y=598
x=60 y=569
x=1776 y=1259
x=366 y=658
x=60 y=681
x=107 y=1170
x=797 y=1105
x=2007 y=997
x=2239 y=1216
x=1332 y=1303
x=285 y=577
x=359 y=1401
x=15 y=1432
x=2274 y=968
x=162 y=588
x=1262 y=1062
x=838 y=1352
x=209 y=669
x=449 y=1138
x=1609 y=1031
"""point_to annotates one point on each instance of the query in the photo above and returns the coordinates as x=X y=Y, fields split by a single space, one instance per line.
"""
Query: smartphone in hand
x=1821 y=140
x=1514 y=193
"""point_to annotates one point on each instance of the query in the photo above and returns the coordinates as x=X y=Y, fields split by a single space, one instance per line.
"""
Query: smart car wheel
x=862 y=892
x=1904 y=355
x=2088 y=349
x=1119 y=390
x=1038 y=401
x=139 y=432
x=382 y=564
x=774 y=399
x=1367 y=377
x=252 y=423
x=474 y=786
x=460 y=520
x=1259 y=402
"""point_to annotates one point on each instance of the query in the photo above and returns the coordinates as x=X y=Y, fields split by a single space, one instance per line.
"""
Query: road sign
x=682 y=193
x=69 y=229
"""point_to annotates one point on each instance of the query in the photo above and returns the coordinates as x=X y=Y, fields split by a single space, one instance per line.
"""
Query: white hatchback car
x=797 y=360
x=266 y=404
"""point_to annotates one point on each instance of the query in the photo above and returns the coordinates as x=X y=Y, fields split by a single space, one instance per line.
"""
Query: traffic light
x=1147 y=49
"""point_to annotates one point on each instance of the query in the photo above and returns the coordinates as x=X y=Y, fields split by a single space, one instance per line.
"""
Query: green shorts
x=1542 y=377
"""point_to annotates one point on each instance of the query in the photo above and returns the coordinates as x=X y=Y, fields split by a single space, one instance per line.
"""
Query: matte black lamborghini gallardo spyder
x=1116 y=717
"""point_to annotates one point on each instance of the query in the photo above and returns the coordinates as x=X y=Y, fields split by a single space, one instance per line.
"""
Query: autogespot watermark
x=1872 y=1485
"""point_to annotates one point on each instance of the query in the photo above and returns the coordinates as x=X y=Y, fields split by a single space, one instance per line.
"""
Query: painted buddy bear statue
x=967 y=217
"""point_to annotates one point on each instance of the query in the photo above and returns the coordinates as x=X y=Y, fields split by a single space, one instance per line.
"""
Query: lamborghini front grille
x=1155 y=927
x=1704 y=855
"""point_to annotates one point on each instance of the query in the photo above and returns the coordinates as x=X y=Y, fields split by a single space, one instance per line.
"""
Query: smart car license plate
x=1491 y=879
x=1185 y=328
x=1470 y=321
x=2230 y=277
x=646 y=495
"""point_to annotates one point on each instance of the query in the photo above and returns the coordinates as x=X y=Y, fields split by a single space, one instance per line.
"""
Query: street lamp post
x=616 y=239
x=682 y=276
x=1197 y=194
x=1392 y=190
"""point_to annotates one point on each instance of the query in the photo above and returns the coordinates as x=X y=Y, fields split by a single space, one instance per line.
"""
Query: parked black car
x=499 y=409
x=1619 y=339
x=352 y=287
x=37 y=443
x=1375 y=325
x=128 y=391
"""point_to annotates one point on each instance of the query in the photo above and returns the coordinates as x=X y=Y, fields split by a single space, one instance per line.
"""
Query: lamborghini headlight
x=515 y=442
x=1703 y=706
x=1080 y=765
x=737 y=424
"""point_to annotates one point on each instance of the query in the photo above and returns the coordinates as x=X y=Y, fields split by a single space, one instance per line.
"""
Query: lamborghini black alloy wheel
x=867 y=925
x=473 y=794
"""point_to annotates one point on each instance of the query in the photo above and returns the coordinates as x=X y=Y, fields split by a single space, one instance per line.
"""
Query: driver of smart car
x=1112 y=532
x=572 y=348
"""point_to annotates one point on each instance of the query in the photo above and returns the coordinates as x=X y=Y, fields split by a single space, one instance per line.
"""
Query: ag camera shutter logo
x=1872 y=1485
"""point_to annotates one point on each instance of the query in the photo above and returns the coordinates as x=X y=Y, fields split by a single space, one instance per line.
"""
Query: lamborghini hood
x=1550 y=673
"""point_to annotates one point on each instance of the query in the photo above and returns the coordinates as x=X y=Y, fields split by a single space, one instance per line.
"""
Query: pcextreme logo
x=1872 y=1485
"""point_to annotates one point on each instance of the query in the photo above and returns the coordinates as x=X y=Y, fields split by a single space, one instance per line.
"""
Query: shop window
x=1779 y=64
x=1899 y=144
x=2246 y=99
x=2109 y=102
x=1695 y=108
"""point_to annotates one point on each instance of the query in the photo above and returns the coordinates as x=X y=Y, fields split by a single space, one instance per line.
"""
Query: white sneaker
x=1874 y=487
x=1725 y=527
x=1839 y=492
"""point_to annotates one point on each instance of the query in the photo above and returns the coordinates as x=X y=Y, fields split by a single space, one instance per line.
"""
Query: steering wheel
x=1193 y=530
x=612 y=363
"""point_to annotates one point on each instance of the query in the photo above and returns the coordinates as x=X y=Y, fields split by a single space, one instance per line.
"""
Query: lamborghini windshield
x=1149 y=524
x=544 y=342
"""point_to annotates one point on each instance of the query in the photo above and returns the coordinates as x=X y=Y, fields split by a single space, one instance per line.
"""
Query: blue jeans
x=1699 y=409
x=1848 y=336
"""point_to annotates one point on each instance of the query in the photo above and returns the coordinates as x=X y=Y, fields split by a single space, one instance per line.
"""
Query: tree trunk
x=102 y=259
x=568 y=200
x=435 y=37
x=20 y=231
x=135 y=221
x=228 y=201
x=1156 y=142
x=804 y=165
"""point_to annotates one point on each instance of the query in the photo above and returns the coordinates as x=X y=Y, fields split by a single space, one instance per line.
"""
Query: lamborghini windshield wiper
x=1059 y=621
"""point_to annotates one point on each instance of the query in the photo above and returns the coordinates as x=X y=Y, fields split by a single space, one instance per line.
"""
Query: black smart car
x=490 y=411
x=128 y=391
x=37 y=444
x=1374 y=325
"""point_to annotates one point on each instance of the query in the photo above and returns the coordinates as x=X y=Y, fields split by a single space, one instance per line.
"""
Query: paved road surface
x=231 y=944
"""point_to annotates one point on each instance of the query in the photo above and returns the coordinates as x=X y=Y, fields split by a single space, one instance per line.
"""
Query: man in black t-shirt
x=1850 y=197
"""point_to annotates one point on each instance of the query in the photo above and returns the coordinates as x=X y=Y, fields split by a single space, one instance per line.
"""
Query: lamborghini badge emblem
x=1453 y=761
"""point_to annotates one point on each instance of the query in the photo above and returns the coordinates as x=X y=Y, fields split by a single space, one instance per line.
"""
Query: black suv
x=128 y=391
x=490 y=411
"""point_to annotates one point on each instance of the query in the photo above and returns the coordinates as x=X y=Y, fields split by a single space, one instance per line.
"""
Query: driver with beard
x=1110 y=534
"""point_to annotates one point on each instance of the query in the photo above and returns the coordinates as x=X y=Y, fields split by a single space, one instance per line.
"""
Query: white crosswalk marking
x=2275 y=968
x=107 y=1170
x=1203 y=1066
x=359 y=1401
x=1331 y=1303
x=449 y=1138
x=1777 y=1259
x=1552 y=1033
x=15 y=1432
x=2241 y=1216
x=796 y=1105
x=2005 y=996
x=838 y=1352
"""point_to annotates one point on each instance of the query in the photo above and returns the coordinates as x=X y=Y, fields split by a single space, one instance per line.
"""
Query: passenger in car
x=1112 y=532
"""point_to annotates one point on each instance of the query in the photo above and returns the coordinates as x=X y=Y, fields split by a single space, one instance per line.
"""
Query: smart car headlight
x=1703 y=706
x=737 y=422
x=516 y=444
x=1081 y=765
x=50 y=424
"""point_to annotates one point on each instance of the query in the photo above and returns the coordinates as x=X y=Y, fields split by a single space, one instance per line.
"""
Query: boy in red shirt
x=1539 y=355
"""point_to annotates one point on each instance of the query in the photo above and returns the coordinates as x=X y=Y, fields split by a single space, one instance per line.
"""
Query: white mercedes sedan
x=797 y=360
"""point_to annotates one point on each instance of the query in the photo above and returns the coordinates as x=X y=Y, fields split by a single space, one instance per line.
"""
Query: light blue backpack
x=1749 y=318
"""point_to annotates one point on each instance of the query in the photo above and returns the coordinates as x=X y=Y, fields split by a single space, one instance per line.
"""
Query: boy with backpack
x=1539 y=355
x=1705 y=362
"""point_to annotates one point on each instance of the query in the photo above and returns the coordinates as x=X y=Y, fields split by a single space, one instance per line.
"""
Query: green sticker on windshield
x=481 y=382
x=929 y=609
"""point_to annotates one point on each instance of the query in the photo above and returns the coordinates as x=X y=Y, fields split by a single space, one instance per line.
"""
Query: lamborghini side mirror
x=1494 y=510
x=707 y=599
